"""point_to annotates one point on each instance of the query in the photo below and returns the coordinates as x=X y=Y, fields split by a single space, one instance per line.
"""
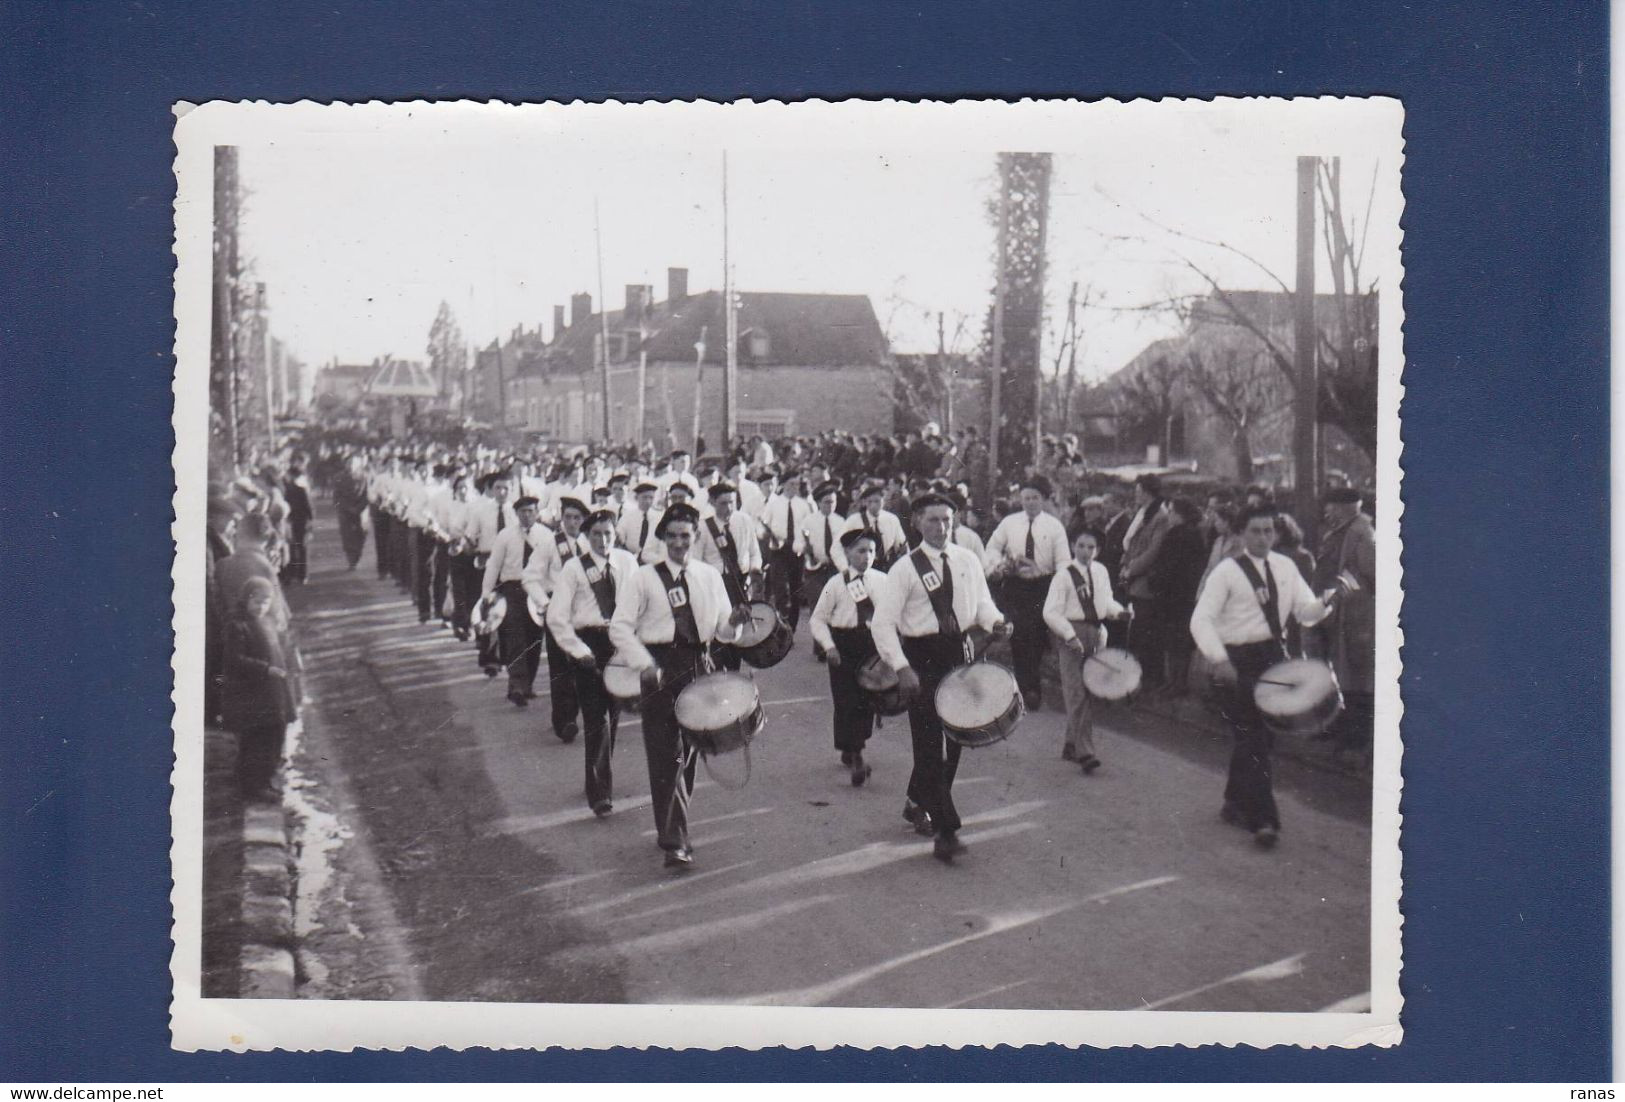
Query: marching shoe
x=680 y=858
x=602 y=808
x=919 y=817
x=1229 y=814
x=1090 y=763
x=1266 y=837
x=1069 y=753
x=846 y=757
x=491 y=671
x=518 y=698
x=568 y=734
x=947 y=847
x=860 y=770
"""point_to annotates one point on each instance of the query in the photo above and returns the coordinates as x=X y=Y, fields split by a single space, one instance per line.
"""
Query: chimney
x=676 y=285
x=580 y=308
x=634 y=304
x=558 y=321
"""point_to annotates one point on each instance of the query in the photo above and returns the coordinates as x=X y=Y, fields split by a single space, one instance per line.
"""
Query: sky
x=359 y=234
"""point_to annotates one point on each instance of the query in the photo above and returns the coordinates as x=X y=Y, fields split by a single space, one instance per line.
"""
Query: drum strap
x=567 y=547
x=730 y=561
x=861 y=599
x=1268 y=596
x=602 y=581
x=686 y=629
x=1084 y=584
x=939 y=589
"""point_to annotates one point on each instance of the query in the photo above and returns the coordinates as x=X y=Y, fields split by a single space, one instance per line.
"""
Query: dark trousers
x=600 y=715
x=465 y=590
x=442 y=580
x=259 y=755
x=936 y=757
x=854 y=719
x=297 y=568
x=671 y=766
x=520 y=640
x=1024 y=603
x=423 y=556
x=1250 y=791
x=783 y=584
x=352 y=535
x=381 y=543
x=401 y=552
x=812 y=584
x=561 y=686
x=1146 y=640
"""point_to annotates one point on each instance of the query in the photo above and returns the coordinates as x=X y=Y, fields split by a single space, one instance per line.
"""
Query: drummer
x=519 y=637
x=1080 y=599
x=727 y=542
x=636 y=530
x=933 y=594
x=818 y=543
x=840 y=625
x=541 y=578
x=1025 y=553
x=666 y=617
x=578 y=614
x=1240 y=625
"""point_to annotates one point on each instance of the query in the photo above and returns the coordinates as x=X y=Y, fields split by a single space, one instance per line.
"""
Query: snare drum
x=1299 y=697
x=719 y=712
x=488 y=614
x=1111 y=674
x=879 y=683
x=979 y=704
x=623 y=683
x=766 y=638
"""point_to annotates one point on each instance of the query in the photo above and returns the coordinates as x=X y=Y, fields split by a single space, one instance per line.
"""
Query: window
x=767 y=423
x=760 y=347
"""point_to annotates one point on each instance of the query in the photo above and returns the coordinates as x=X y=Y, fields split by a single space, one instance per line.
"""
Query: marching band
x=648 y=586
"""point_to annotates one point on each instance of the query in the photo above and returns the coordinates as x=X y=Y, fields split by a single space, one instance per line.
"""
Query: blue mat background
x=1506 y=449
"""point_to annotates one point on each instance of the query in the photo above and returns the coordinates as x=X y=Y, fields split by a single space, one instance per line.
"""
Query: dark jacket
x=1178 y=570
x=251 y=696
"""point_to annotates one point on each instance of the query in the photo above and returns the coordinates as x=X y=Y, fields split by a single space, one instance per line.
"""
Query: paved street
x=466 y=864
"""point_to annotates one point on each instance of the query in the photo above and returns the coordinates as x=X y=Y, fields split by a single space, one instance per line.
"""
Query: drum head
x=1294 y=688
x=622 y=682
x=875 y=676
x=716 y=700
x=1111 y=673
x=976 y=696
x=488 y=615
x=764 y=620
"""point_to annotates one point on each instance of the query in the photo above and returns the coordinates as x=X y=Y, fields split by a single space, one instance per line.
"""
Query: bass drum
x=719 y=712
x=765 y=639
x=979 y=704
x=1299 y=697
x=879 y=683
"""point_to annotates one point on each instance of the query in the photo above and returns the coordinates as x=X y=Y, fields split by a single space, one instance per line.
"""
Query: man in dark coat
x=1348 y=638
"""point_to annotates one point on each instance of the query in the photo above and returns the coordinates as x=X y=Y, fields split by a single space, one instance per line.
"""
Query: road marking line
x=718 y=819
x=721 y=929
x=968 y=999
x=1281 y=969
x=653 y=889
x=1354 y=1004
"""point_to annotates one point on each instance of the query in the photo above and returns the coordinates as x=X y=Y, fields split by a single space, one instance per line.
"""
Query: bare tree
x=1241 y=386
x=1149 y=399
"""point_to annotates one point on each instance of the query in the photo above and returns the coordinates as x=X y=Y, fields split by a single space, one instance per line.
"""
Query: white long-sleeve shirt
x=781 y=518
x=506 y=563
x=542 y=575
x=906 y=609
x=574 y=605
x=893 y=541
x=643 y=613
x=482 y=522
x=810 y=539
x=1062 y=605
x=1229 y=612
x=630 y=526
x=967 y=538
x=741 y=532
x=1009 y=541
x=837 y=606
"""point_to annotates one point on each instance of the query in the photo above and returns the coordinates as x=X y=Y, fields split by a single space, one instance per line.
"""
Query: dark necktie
x=524 y=542
x=502 y=518
x=1032 y=551
x=827 y=537
x=603 y=589
x=945 y=572
x=643 y=532
x=866 y=608
x=687 y=630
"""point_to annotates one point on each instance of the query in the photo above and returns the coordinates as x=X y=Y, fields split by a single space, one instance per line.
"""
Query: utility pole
x=997 y=368
x=1306 y=407
x=699 y=388
x=947 y=381
x=730 y=326
x=1071 y=337
x=639 y=412
x=603 y=315
x=223 y=335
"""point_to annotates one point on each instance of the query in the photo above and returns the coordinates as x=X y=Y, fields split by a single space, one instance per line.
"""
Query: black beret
x=1343 y=495
x=526 y=502
x=871 y=488
x=1037 y=482
x=619 y=476
x=853 y=535
x=826 y=488
x=721 y=488
x=925 y=501
x=681 y=511
x=680 y=485
x=573 y=503
x=646 y=488
x=598 y=516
